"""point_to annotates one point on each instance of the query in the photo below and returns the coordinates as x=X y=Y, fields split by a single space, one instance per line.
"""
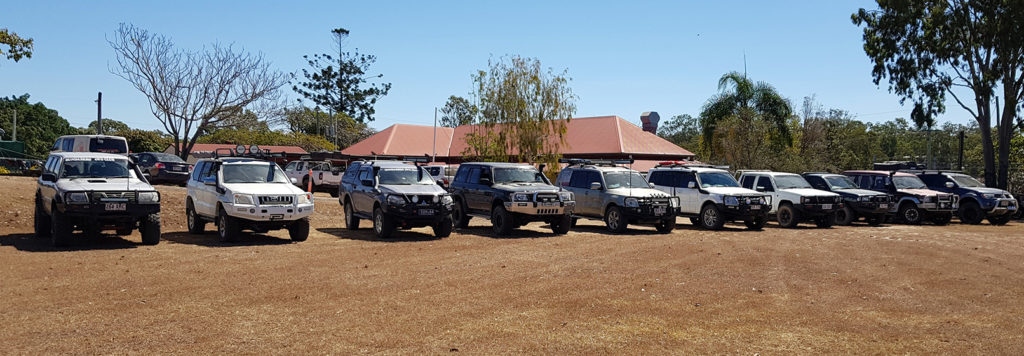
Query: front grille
x=548 y=211
x=945 y=197
x=823 y=200
x=99 y=197
x=546 y=197
x=275 y=200
x=421 y=199
x=880 y=199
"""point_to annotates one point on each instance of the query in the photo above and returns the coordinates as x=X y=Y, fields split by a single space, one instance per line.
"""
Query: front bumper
x=743 y=211
x=541 y=208
x=818 y=209
x=944 y=206
x=650 y=212
x=99 y=212
x=269 y=212
x=413 y=214
x=171 y=176
x=1003 y=207
x=870 y=208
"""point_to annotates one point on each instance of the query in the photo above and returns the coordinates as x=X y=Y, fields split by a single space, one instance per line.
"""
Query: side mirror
x=485 y=181
x=950 y=185
x=295 y=181
x=210 y=181
x=760 y=188
x=367 y=182
x=595 y=185
x=49 y=177
x=691 y=185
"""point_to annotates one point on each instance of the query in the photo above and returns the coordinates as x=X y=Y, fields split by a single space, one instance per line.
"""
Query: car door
x=689 y=198
x=765 y=184
x=48 y=189
x=590 y=199
x=206 y=195
x=473 y=192
x=577 y=184
x=362 y=195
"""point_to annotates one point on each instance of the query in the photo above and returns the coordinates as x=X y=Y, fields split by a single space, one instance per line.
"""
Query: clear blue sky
x=625 y=57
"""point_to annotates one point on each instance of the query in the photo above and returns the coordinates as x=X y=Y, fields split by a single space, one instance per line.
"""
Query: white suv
x=709 y=196
x=793 y=199
x=246 y=193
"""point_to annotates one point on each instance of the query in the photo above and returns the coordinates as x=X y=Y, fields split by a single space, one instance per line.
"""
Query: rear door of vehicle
x=206 y=195
x=474 y=191
x=362 y=195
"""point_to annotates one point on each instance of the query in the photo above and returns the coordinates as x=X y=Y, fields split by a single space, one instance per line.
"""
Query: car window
x=404 y=176
x=290 y=166
x=57 y=144
x=462 y=174
x=748 y=182
x=197 y=170
x=253 y=173
x=365 y=173
x=579 y=179
x=517 y=175
x=840 y=182
x=717 y=179
x=624 y=179
x=966 y=182
x=95 y=168
x=908 y=182
x=107 y=145
x=817 y=182
x=69 y=144
x=474 y=175
x=766 y=183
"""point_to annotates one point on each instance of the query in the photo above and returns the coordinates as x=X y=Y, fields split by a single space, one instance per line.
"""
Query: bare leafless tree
x=189 y=90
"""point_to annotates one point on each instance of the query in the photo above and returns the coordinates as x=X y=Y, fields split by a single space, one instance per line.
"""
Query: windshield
x=840 y=182
x=625 y=180
x=96 y=168
x=908 y=182
x=107 y=145
x=403 y=176
x=253 y=173
x=163 y=157
x=717 y=179
x=791 y=182
x=967 y=182
x=517 y=175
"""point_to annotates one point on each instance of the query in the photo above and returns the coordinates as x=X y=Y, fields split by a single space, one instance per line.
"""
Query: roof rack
x=741 y=171
x=816 y=173
x=595 y=162
x=242 y=151
x=930 y=171
x=684 y=164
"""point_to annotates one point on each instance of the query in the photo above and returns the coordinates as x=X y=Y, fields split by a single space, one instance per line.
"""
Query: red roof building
x=592 y=137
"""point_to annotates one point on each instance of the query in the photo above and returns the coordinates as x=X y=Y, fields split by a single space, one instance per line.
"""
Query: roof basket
x=252 y=151
x=594 y=162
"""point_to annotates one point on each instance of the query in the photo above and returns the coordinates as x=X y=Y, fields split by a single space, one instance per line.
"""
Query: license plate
x=755 y=207
x=426 y=211
x=883 y=206
x=548 y=204
x=115 y=207
x=1004 y=203
x=826 y=206
x=660 y=210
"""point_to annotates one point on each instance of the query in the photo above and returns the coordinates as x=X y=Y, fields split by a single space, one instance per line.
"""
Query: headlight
x=566 y=196
x=631 y=202
x=304 y=198
x=520 y=197
x=865 y=198
x=148 y=197
x=803 y=200
x=396 y=200
x=988 y=196
x=244 y=199
x=928 y=199
x=447 y=199
x=764 y=201
x=731 y=201
x=76 y=198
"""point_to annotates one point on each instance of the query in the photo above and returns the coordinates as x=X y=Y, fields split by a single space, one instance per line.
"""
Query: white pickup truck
x=325 y=177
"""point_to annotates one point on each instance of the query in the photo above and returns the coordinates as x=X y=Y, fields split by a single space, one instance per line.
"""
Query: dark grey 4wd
x=394 y=195
x=510 y=195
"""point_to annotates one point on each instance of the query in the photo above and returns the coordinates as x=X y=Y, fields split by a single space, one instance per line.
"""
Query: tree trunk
x=1005 y=132
x=988 y=152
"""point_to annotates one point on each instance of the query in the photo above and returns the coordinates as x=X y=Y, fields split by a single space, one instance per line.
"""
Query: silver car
x=617 y=195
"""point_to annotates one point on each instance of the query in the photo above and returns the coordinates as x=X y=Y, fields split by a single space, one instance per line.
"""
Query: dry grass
x=893 y=289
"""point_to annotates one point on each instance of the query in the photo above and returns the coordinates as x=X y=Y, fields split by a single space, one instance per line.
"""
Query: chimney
x=650 y=121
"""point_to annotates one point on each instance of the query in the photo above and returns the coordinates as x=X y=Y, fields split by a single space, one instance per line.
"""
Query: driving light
x=865 y=198
x=674 y=202
x=988 y=196
x=731 y=201
x=149 y=197
x=631 y=203
x=434 y=199
x=244 y=199
x=447 y=199
x=76 y=198
x=304 y=198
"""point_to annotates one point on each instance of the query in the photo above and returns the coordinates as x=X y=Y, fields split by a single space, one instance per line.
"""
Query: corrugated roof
x=584 y=136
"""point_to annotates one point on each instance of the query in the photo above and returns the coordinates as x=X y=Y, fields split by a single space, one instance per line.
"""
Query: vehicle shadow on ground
x=486 y=231
x=79 y=242
x=368 y=235
x=210 y=239
x=630 y=230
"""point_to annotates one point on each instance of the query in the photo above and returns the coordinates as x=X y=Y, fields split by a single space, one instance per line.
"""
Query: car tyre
x=227 y=227
x=383 y=226
x=875 y=220
x=826 y=221
x=970 y=213
x=60 y=228
x=149 y=228
x=42 y=221
x=1000 y=220
x=561 y=225
x=459 y=216
x=910 y=214
x=666 y=225
x=305 y=185
x=942 y=219
x=711 y=218
x=196 y=225
x=351 y=221
x=787 y=216
x=299 y=230
x=756 y=223
x=845 y=216
x=615 y=220
x=443 y=228
x=501 y=221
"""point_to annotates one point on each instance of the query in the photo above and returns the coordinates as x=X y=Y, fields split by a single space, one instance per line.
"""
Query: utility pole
x=960 y=160
x=99 y=113
x=434 y=146
x=14 y=135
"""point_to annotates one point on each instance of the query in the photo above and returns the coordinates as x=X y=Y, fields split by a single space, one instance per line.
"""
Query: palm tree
x=747 y=100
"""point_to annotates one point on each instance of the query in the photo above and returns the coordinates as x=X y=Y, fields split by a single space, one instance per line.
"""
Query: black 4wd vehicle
x=511 y=195
x=860 y=203
x=394 y=194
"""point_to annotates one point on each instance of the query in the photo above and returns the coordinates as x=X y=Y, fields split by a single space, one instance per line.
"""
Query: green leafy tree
x=683 y=130
x=458 y=111
x=138 y=140
x=339 y=82
x=17 y=47
x=933 y=49
x=749 y=102
x=189 y=91
x=262 y=137
x=38 y=126
x=109 y=127
x=524 y=111
x=340 y=129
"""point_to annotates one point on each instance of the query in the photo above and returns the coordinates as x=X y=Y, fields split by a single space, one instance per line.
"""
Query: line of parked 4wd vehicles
x=240 y=189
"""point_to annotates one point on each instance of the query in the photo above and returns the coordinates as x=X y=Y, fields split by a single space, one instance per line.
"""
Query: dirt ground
x=890 y=289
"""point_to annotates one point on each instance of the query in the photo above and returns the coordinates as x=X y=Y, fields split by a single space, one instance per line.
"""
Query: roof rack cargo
x=242 y=151
x=595 y=162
